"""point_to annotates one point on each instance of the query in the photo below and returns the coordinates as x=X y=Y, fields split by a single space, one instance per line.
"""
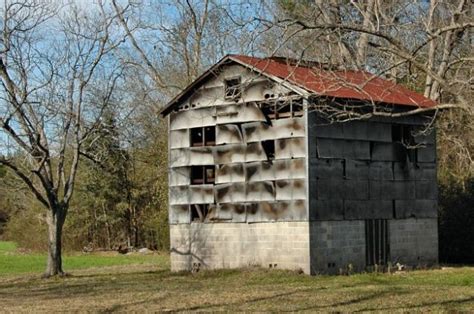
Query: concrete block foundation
x=414 y=241
x=283 y=245
x=315 y=247
x=336 y=244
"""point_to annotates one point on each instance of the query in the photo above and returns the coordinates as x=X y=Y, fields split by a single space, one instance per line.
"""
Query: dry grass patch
x=154 y=287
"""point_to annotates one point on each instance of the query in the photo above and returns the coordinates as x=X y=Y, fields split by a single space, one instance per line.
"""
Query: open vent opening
x=199 y=212
x=282 y=109
x=269 y=148
x=209 y=136
x=203 y=136
x=233 y=88
x=403 y=134
x=202 y=175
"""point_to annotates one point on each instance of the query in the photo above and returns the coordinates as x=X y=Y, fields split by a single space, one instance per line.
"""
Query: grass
x=13 y=262
x=146 y=283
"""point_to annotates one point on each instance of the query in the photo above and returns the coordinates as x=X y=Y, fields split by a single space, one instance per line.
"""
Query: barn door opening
x=377 y=247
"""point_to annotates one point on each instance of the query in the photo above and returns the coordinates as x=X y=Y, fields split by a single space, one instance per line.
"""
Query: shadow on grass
x=240 y=302
x=353 y=301
x=421 y=305
x=82 y=285
x=159 y=284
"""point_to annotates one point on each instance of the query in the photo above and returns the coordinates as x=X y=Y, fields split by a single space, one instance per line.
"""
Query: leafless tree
x=426 y=46
x=57 y=78
x=394 y=39
x=173 y=41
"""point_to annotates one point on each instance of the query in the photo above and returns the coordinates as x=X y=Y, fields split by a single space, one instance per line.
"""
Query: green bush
x=28 y=229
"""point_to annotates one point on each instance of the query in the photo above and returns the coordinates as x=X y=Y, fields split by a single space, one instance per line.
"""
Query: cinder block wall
x=336 y=244
x=414 y=241
x=234 y=245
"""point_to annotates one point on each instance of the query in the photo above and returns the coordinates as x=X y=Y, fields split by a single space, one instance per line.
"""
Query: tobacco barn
x=260 y=172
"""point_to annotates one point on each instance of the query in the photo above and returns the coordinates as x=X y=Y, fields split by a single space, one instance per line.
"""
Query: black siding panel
x=380 y=170
x=356 y=169
x=426 y=190
x=356 y=209
x=416 y=208
x=327 y=210
x=327 y=168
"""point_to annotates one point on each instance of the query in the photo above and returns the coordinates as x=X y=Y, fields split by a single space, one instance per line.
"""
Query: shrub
x=456 y=223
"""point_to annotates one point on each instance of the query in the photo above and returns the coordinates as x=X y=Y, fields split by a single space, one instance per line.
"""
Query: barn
x=292 y=164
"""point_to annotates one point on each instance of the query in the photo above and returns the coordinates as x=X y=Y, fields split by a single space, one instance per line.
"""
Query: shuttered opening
x=376 y=242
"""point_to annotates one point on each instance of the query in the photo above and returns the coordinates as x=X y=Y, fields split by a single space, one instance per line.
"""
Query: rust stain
x=298 y=184
x=239 y=208
x=252 y=208
x=282 y=144
x=255 y=148
x=239 y=169
x=296 y=125
x=282 y=183
x=299 y=164
x=281 y=166
x=266 y=207
x=299 y=203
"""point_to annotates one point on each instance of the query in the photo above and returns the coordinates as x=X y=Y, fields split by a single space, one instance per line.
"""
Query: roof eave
x=178 y=98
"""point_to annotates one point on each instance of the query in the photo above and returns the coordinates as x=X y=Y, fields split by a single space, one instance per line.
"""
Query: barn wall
x=258 y=205
x=249 y=187
x=358 y=171
x=283 y=245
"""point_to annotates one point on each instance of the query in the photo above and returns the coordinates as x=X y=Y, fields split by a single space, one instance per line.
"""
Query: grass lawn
x=137 y=283
x=13 y=262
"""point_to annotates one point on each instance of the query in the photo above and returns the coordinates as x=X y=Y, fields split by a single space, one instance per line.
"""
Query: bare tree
x=426 y=46
x=414 y=38
x=173 y=41
x=54 y=90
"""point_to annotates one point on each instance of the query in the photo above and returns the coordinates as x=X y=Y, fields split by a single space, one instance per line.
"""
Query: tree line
x=83 y=152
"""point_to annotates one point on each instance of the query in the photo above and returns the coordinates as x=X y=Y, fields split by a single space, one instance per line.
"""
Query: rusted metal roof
x=319 y=80
x=336 y=83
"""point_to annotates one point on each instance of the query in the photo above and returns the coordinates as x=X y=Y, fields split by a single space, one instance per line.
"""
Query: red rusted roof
x=342 y=84
x=315 y=79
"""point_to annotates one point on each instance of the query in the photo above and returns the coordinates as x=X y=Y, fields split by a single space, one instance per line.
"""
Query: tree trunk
x=55 y=220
